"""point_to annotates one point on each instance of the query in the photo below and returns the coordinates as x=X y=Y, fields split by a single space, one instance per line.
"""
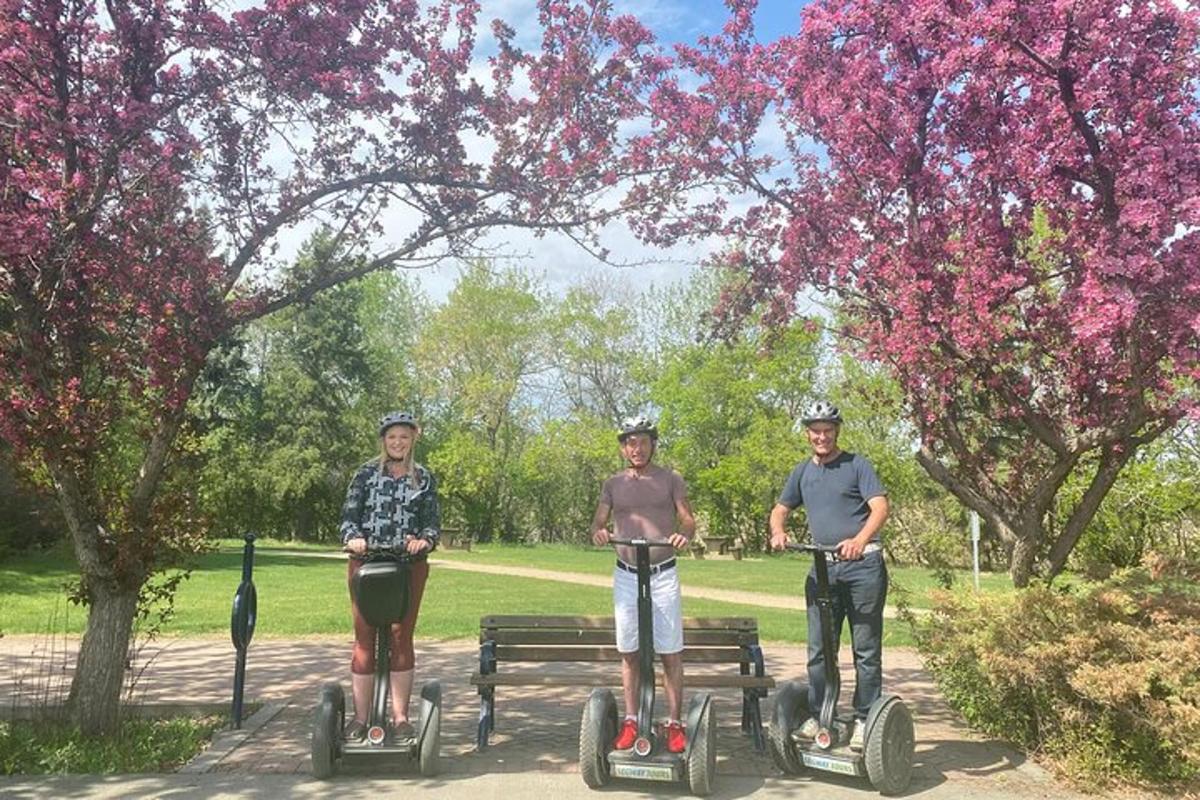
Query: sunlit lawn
x=302 y=594
x=774 y=574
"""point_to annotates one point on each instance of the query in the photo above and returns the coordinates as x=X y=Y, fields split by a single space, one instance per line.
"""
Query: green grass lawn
x=301 y=595
x=781 y=574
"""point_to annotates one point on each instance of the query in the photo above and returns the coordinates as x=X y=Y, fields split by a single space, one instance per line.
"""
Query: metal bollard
x=241 y=625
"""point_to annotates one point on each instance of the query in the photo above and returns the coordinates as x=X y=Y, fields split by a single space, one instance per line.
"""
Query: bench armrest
x=487 y=658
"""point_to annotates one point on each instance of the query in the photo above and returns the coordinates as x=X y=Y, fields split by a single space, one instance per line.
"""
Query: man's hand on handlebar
x=601 y=536
x=356 y=546
x=678 y=541
x=851 y=549
x=779 y=541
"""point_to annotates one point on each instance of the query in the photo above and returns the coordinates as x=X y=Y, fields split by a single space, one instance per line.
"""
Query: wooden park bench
x=541 y=641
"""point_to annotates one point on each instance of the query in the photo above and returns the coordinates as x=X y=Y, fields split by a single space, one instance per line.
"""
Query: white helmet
x=822 y=411
x=393 y=418
x=636 y=424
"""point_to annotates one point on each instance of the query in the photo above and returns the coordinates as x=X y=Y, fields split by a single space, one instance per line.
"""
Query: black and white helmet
x=636 y=424
x=822 y=411
x=393 y=418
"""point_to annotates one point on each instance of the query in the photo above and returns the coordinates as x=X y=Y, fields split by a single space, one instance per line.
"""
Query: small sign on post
x=975 y=546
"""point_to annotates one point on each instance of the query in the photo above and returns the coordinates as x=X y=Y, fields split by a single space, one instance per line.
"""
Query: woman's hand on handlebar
x=415 y=545
x=356 y=546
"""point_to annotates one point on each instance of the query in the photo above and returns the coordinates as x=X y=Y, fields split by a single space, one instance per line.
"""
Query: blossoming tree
x=1003 y=196
x=156 y=152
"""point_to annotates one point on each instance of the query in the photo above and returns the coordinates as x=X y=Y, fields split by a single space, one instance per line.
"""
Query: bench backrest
x=587 y=638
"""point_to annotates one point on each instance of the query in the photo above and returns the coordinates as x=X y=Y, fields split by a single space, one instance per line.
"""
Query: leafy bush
x=1102 y=678
x=142 y=745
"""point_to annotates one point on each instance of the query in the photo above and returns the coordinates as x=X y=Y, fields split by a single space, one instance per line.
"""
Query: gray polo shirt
x=835 y=496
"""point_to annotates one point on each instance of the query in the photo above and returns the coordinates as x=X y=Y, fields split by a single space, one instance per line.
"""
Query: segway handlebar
x=640 y=543
x=396 y=550
x=796 y=547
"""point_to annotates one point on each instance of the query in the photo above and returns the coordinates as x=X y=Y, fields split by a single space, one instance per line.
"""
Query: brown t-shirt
x=643 y=506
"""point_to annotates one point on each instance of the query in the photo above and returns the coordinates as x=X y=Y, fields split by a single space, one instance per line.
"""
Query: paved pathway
x=536 y=737
x=535 y=745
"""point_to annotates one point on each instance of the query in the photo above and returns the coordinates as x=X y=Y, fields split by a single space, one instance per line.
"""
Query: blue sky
x=684 y=21
x=671 y=20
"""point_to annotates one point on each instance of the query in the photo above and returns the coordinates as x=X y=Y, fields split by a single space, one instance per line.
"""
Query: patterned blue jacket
x=385 y=510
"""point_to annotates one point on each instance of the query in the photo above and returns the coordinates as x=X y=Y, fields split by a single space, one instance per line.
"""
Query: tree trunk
x=100 y=669
x=95 y=694
x=1023 y=555
x=1111 y=464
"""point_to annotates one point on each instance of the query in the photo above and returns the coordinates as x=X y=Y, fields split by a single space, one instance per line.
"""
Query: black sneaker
x=403 y=731
x=356 y=731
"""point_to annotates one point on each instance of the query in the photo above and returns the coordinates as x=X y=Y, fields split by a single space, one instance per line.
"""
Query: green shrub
x=1103 y=678
x=142 y=745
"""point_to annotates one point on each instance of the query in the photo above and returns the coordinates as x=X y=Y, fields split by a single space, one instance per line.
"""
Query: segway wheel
x=332 y=693
x=791 y=709
x=597 y=730
x=702 y=757
x=889 y=746
x=325 y=739
x=429 y=754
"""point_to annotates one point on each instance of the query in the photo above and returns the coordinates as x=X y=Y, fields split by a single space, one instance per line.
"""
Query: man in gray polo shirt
x=846 y=505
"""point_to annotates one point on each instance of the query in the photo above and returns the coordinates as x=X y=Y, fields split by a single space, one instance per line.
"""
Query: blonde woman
x=392 y=501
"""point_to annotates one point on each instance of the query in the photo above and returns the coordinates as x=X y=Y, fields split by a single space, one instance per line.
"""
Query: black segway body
x=381 y=591
x=888 y=739
x=648 y=759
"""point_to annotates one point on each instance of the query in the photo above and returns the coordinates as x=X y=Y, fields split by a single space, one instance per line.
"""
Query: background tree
x=559 y=475
x=304 y=414
x=154 y=154
x=1002 y=197
x=1152 y=507
x=481 y=351
x=599 y=343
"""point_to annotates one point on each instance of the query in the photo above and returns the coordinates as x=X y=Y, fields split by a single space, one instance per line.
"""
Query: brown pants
x=402 y=656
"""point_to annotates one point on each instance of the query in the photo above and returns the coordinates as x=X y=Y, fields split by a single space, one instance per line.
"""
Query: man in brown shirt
x=646 y=501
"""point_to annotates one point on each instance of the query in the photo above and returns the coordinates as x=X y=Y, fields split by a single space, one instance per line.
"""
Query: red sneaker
x=626 y=736
x=676 y=738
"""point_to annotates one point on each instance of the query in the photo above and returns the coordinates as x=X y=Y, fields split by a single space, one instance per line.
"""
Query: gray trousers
x=859 y=590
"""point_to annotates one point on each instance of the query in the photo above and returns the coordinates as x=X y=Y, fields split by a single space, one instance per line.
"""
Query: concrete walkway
x=534 y=748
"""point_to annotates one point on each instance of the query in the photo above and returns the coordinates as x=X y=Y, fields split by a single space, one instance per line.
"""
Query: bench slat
x=500 y=621
x=704 y=655
x=702 y=681
x=580 y=636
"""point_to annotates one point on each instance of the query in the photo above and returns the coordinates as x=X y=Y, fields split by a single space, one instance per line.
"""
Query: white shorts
x=667 y=614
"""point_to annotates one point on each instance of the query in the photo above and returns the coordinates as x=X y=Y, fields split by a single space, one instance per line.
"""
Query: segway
x=887 y=753
x=649 y=758
x=380 y=589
